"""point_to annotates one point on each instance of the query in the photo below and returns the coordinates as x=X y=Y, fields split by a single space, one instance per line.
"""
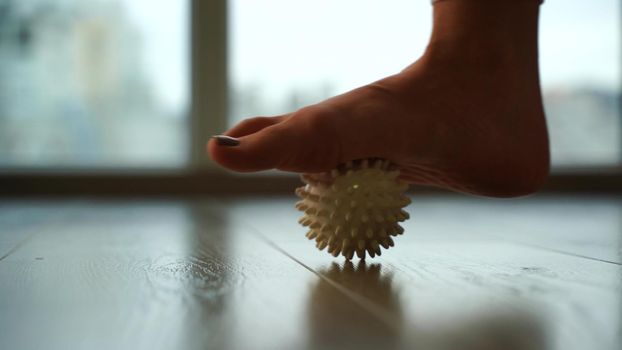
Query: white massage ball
x=355 y=208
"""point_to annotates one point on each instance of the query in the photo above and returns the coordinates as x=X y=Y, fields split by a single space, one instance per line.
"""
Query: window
x=310 y=50
x=580 y=70
x=106 y=83
x=93 y=83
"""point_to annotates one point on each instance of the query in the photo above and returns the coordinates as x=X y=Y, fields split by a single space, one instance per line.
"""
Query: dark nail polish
x=228 y=141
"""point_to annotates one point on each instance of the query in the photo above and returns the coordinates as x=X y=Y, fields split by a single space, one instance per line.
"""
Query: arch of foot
x=355 y=208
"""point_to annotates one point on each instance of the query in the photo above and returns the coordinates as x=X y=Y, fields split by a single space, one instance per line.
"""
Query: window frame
x=209 y=105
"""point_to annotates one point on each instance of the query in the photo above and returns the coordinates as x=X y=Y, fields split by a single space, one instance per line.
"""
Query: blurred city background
x=106 y=83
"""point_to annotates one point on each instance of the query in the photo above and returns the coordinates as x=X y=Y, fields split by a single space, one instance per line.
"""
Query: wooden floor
x=223 y=273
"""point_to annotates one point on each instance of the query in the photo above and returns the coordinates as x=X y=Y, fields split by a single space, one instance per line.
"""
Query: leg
x=466 y=116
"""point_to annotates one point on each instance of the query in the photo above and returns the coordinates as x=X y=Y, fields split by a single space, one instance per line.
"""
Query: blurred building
x=73 y=88
x=584 y=126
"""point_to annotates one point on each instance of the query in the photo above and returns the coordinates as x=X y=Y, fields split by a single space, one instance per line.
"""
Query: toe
x=253 y=125
x=302 y=142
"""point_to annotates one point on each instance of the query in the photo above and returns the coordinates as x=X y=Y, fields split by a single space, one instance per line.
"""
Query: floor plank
x=19 y=220
x=590 y=227
x=239 y=274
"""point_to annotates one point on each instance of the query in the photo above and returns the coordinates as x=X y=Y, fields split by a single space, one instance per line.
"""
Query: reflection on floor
x=227 y=273
x=334 y=324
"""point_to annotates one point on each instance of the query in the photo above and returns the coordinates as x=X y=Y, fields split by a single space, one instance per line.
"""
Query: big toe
x=306 y=141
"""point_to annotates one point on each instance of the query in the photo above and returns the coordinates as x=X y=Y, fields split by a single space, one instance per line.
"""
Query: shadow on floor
x=358 y=307
x=354 y=306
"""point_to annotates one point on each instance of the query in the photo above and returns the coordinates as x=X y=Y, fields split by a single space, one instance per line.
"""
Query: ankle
x=488 y=30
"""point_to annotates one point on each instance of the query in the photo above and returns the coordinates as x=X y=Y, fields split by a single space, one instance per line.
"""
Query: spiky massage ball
x=354 y=208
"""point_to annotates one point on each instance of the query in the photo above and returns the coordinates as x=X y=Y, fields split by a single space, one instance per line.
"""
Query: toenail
x=228 y=141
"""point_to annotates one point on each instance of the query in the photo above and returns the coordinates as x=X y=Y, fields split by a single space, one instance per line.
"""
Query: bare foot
x=466 y=116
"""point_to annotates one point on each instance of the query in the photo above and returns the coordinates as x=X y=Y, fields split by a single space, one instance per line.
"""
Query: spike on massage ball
x=354 y=209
